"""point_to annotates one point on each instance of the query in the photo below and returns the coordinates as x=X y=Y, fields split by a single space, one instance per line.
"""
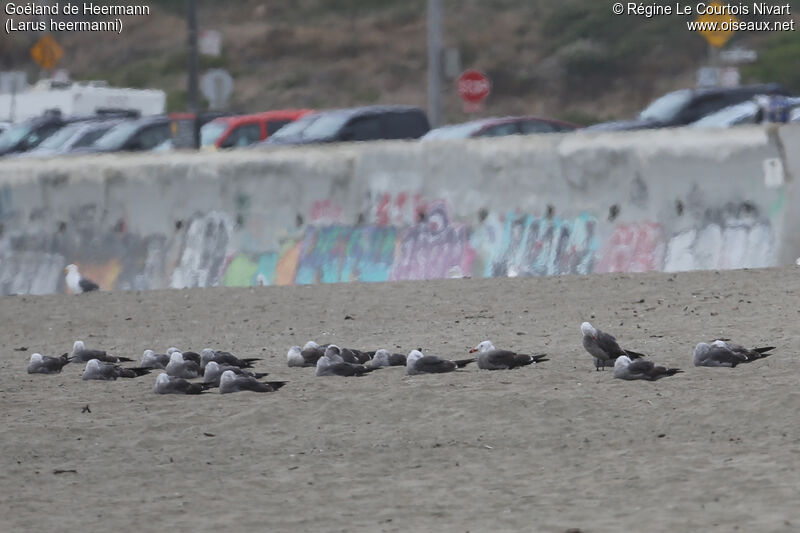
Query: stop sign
x=473 y=86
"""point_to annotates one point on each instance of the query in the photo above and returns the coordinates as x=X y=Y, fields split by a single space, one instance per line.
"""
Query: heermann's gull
x=96 y=369
x=720 y=354
x=294 y=357
x=417 y=363
x=150 y=359
x=230 y=382
x=76 y=283
x=490 y=358
x=180 y=368
x=225 y=358
x=214 y=370
x=45 y=364
x=171 y=385
x=603 y=347
x=751 y=353
x=81 y=354
x=384 y=357
x=625 y=368
x=352 y=355
x=312 y=351
x=332 y=364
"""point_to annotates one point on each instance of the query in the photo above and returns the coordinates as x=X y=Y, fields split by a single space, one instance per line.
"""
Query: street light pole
x=434 y=62
x=194 y=106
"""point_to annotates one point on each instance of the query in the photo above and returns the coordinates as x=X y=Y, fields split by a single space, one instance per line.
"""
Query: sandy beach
x=551 y=447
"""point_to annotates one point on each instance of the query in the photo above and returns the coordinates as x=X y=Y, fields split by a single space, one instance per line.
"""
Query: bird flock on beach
x=229 y=373
x=223 y=370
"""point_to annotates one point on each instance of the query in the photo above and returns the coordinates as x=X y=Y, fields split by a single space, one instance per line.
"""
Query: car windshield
x=13 y=135
x=211 y=131
x=293 y=129
x=744 y=113
x=313 y=127
x=59 y=138
x=116 y=136
x=454 y=131
x=665 y=108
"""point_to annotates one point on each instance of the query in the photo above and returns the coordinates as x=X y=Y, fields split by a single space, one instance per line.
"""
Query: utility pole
x=434 y=62
x=194 y=106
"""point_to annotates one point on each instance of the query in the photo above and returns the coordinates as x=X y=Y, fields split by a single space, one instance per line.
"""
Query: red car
x=243 y=130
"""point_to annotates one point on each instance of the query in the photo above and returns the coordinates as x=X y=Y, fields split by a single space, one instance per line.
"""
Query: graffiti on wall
x=634 y=247
x=404 y=237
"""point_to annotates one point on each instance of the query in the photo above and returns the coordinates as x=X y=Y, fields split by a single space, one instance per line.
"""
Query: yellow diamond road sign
x=720 y=36
x=47 y=52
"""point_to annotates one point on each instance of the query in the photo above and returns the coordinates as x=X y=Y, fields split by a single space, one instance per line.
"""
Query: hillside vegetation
x=570 y=59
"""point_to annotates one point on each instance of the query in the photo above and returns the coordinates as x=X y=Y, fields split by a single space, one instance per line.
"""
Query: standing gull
x=108 y=371
x=720 y=354
x=417 y=363
x=180 y=368
x=76 y=283
x=170 y=385
x=230 y=382
x=81 y=354
x=44 y=364
x=332 y=364
x=603 y=347
x=214 y=370
x=625 y=368
x=490 y=358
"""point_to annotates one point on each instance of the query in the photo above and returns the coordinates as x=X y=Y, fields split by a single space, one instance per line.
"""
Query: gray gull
x=603 y=347
x=76 y=283
x=96 y=369
x=230 y=382
x=625 y=368
x=417 y=363
x=490 y=358
x=45 y=364
x=172 y=385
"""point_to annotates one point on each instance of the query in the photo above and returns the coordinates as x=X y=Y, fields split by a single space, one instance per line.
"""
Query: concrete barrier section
x=673 y=199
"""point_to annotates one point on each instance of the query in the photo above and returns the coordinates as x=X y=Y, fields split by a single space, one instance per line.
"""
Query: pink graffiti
x=433 y=249
x=635 y=247
x=402 y=209
x=326 y=212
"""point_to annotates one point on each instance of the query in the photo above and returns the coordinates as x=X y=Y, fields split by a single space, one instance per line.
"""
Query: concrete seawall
x=669 y=200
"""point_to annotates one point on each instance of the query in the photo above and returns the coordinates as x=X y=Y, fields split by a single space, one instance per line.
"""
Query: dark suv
x=684 y=106
x=354 y=124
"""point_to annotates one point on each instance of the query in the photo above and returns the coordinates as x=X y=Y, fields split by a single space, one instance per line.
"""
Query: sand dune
x=542 y=448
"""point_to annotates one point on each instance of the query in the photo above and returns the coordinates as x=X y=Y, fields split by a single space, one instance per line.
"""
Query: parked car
x=28 y=134
x=243 y=130
x=132 y=136
x=685 y=106
x=354 y=124
x=760 y=109
x=498 y=127
x=70 y=137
